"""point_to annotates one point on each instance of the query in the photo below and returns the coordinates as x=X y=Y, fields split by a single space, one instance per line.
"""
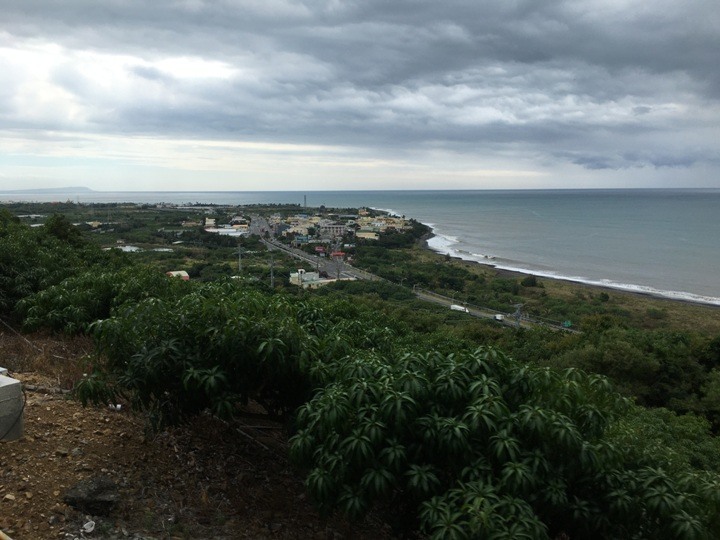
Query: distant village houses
x=363 y=225
x=304 y=228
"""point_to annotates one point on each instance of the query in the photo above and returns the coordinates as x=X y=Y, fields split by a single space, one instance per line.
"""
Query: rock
x=97 y=495
x=58 y=508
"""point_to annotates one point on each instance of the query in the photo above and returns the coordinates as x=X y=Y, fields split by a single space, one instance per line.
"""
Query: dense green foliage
x=77 y=302
x=216 y=346
x=482 y=446
x=659 y=368
x=394 y=406
x=468 y=444
x=33 y=259
x=213 y=348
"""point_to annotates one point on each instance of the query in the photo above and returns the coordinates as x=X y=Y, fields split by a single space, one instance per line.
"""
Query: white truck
x=455 y=307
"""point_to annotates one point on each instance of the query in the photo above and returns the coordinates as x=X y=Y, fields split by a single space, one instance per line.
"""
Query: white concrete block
x=12 y=404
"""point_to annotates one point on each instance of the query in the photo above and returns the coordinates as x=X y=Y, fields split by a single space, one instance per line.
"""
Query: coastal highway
x=509 y=319
x=344 y=270
x=334 y=269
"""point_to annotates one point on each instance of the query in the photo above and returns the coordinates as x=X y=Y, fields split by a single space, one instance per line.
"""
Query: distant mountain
x=73 y=189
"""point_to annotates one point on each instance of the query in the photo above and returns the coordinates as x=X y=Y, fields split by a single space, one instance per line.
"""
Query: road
x=341 y=269
x=334 y=268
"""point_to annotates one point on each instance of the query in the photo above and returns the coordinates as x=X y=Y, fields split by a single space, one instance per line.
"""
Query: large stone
x=96 y=496
x=12 y=405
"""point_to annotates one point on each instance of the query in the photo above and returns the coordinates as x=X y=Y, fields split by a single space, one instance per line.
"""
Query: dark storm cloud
x=598 y=83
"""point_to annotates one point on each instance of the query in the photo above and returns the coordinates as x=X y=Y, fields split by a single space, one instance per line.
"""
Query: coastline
x=631 y=290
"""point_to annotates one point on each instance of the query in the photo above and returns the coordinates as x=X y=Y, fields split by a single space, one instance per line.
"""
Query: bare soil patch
x=205 y=480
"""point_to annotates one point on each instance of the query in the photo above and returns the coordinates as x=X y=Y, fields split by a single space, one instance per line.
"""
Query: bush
x=32 y=260
x=383 y=289
x=504 y=285
x=529 y=281
x=222 y=344
x=476 y=445
x=73 y=305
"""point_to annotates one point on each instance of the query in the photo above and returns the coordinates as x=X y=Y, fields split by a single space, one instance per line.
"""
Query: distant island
x=49 y=190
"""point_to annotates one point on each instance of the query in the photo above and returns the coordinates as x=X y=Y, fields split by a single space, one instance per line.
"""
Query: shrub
x=31 y=260
x=221 y=344
x=476 y=445
x=74 y=304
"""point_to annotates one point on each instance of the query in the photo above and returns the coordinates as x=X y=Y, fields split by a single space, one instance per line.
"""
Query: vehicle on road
x=455 y=307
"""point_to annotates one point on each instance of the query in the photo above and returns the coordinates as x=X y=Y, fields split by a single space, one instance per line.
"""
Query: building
x=312 y=280
x=367 y=235
x=332 y=229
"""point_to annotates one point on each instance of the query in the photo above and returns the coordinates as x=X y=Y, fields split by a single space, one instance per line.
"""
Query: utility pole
x=518 y=314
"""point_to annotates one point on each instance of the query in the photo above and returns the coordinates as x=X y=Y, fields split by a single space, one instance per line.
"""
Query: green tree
x=61 y=228
x=31 y=261
x=73 y=305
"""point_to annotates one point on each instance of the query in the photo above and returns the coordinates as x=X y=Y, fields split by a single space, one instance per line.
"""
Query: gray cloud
x=603 y=85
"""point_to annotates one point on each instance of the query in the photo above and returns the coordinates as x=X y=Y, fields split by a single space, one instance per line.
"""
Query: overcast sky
x=362 y=94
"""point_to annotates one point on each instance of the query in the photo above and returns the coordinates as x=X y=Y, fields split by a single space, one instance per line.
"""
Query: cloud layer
x=410 y=89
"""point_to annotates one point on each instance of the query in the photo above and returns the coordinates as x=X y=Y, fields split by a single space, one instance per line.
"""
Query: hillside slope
x=204 y=480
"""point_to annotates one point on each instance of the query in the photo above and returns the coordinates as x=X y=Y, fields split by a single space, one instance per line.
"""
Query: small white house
x=312 y=280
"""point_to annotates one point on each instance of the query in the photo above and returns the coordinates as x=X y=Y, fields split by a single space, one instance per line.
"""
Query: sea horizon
x=70 y=189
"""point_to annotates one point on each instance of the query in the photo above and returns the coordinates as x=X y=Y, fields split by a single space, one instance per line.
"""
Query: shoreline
x=512 y=273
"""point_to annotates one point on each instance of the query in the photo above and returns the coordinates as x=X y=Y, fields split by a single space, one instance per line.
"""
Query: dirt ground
x=206 y=480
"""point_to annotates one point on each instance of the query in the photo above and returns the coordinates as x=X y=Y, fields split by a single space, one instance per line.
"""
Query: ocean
x=658 y=241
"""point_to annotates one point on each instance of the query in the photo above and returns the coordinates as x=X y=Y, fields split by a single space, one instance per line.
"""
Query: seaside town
x=322 y=233
x=325 y=235
x=305 y=228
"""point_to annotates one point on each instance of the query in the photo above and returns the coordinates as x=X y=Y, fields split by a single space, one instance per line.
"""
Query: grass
x=638 y=310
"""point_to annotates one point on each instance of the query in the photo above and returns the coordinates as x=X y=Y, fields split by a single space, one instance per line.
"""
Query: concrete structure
x=12 y=405
x=312 y=280
x=308 y=280
x=227 y=231
x=367 y=235
x=328 y=228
